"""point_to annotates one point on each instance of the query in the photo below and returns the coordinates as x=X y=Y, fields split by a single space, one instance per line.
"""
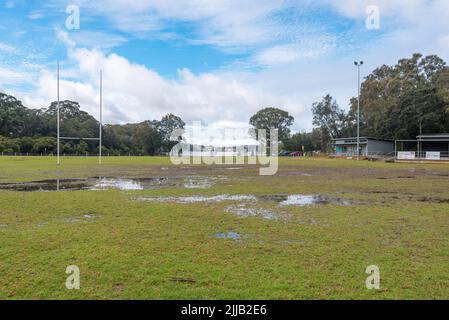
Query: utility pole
x=358 y=64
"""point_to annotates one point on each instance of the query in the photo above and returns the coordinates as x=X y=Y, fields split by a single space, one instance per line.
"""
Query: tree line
x=397 y=102
x=24 y=130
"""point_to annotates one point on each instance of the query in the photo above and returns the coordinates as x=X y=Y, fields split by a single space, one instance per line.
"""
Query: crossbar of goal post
x=76 y=138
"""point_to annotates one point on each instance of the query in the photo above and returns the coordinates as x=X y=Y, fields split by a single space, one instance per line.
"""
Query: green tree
x=44 y=145
x=303 y=141
x=330 y=119
x=26 y=144
x=14 y=117
x=166 y=126
x=148 y=138
x=73 y=121
x=273 y=118
x=81 y=148
x=404 y=100
x=9 y=145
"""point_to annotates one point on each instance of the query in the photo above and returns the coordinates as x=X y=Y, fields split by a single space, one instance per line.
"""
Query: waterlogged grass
x=128 y=249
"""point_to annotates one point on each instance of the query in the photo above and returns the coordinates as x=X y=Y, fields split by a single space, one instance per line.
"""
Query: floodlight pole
x=358 y=64
x=57 y=147
x=101 y=114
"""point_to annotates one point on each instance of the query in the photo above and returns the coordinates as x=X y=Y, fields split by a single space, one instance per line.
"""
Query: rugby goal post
x=59 y=138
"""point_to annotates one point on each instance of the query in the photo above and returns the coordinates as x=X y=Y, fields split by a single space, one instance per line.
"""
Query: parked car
x=284 y=153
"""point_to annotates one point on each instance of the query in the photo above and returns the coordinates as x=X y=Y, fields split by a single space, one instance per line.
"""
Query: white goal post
x=59 y=138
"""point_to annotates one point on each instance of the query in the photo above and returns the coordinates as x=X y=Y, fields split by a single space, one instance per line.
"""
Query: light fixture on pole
x=358 y=64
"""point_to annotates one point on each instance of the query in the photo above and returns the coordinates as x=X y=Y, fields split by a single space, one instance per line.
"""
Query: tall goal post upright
x=57 y=147
x=101 y=115
x=58 y=120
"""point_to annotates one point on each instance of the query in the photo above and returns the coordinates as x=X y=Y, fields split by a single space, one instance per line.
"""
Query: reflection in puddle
x=228 y=235
x=135 y=184
x=47 y=185
x=273 y=198
x=120 y=184
x=243 y=209
x=200 y=199
x=110 y=183
x=303 y=200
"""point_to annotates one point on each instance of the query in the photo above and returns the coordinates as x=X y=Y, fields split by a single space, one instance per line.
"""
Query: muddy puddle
x=199 y=199
x=310 y=200
x=46 y=185
x=243 y=209
x=228 y=235
x=433 y=200
x=305 y=200
x=134 y=184
x=112 y=183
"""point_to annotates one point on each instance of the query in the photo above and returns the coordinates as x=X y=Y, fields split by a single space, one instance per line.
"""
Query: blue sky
x=218 y=61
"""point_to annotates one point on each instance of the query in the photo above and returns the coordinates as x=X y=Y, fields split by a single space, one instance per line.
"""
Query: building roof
x=362 y=138
x=442 y=136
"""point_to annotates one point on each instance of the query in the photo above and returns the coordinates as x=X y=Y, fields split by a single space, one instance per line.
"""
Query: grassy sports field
x=224 y=232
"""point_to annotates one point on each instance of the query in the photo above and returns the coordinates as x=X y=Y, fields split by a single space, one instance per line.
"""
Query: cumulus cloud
x=133 y=92
x=10 y=76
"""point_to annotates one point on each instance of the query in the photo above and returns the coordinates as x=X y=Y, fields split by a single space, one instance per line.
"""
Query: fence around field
x=30 y=154
x=369 y=155
x=422 y=156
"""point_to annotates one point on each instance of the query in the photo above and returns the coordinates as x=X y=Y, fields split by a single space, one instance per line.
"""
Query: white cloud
x=389 y=8
x=133 y=92
x=226 y=23
x=231 y=25
x=7 y=48
x=9 y=76
x=289 y=53
x=95 y=39
x=410 y=12
x=35 y=15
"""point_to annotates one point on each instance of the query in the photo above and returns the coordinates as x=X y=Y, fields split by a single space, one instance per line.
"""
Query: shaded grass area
x=127 y=249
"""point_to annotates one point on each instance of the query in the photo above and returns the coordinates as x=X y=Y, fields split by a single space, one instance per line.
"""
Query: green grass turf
x=399 y=221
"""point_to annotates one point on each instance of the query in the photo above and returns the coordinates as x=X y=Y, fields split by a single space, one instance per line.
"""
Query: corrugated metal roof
x=366 y=138
x=434 y=136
